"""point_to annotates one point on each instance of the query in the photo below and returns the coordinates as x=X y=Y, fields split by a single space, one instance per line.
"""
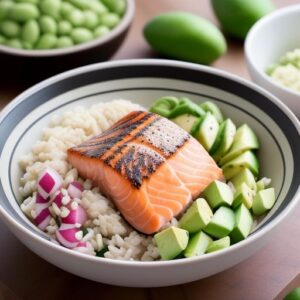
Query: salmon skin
x=148 y=166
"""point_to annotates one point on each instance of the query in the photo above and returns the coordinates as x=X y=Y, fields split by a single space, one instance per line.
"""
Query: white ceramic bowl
x=142 y=81
x=267 y=41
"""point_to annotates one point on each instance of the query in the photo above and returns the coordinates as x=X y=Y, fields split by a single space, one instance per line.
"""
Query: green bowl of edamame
x=43 y=37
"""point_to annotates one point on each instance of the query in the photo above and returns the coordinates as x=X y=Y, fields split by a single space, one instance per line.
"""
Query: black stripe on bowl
x=158 y=71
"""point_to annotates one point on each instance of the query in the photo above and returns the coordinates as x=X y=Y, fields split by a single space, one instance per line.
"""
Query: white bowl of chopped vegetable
x=227 y=224
x=273 y=55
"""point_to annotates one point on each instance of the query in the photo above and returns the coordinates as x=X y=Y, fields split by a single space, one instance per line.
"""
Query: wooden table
x=23 y=275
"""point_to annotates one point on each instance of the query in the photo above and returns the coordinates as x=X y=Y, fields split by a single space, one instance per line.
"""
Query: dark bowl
x=33 y=65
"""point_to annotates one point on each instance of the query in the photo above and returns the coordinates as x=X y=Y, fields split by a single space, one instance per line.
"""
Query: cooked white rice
x=105 y=226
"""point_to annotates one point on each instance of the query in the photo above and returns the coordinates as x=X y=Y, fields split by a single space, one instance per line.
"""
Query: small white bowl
x=269 y=39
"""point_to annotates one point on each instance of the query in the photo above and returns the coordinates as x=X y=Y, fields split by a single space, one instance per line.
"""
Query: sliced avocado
x=196 y=217
x=244 y=194
x=245 y=139
x=185 y=121
x=263 y=201
x=209 y=106
x=207 y=131
x=197 y=244
x=218 y=244
x=263 y=183
x=246 y=160
x=244 y=176
x=225 y=136
x=186 y=106
x=164 y=105
x=171 y=242
x=218 y=194
x=243 y=224
x=221 y=223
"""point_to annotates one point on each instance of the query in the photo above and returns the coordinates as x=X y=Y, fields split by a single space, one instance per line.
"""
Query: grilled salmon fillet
x=148 y=166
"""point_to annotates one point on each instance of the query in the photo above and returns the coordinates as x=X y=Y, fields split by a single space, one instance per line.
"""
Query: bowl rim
x=10 y=221
x=125 y=22
x=280 y=13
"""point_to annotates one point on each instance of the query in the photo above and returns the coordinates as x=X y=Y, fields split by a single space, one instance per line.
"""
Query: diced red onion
x=66 y=235
x=75 y=189
x=57 y=198
x=43 y=218
x=48 y=183
x=76 y=216
x=40 y=200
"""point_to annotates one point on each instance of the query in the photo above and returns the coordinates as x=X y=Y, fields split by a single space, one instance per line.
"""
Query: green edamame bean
x=10 y=29
x=100 y=31
x=80 y=35
x=98 y=7
x=82 y=4
x=115 y=6
x=2 y=39
x=28 y=1
x=5 y=6
x=14 y=43
x=91 y=19
x=22 y=12
x=48 y=24
x=76 y=17
x=46 y=41
x=30 y=32
x=110 y=20
x=51 y=7
x=66 y=8
x=64 y=27
x=64 y=42
x=27 y=46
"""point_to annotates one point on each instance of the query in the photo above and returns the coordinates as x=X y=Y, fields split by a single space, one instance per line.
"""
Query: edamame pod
x=185 y=36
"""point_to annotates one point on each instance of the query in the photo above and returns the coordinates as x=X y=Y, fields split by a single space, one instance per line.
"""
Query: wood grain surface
x=23 y=275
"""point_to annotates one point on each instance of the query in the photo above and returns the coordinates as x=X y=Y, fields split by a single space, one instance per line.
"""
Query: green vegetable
x=76 y=17
x=46 y=41
x=218 y=194
x=171 y=242
x=63 y=42
x=207 y=131
x=81 y=35
x=64 y=27
x=110 y=20
x=30 y=32
x=163 y=106
x=2 y=39
x=90 y=19
x=218 y=245
x=50 y=7
x=185 y=36
x=5 y=7
x=293 y=295
x=14 y=43
x=10 y=29
x=100 y=31
x=238 y=16
x=223 y=140
x=48 y=25
x=243 y=224
x=186 y=106
x=263 y=201
x=102 y=251
x=245 y=139
x=197 y=245
x=244 y=195
x=214 y=109
x=244 y=176
x=246 y=160
x=186 y=122
x=116 y=6
x=196 y=217
x=263 y=183
x=221 y=223
x=22 y=12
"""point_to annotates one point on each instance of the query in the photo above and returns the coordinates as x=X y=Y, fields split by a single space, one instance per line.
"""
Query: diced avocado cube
x=245 y=139
x=209 y=106
x=244 y=176
x=207 y=131
x=263 y=183
x=218 y=194
x=246 y=160
x=198 y=244
x=196 y=217
x=171 y=242
x=218 y=244
x=243 y=195
x=243 y=224
x=185 y=121
x=221 y=223
x=263 y=201
x=223 y=140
